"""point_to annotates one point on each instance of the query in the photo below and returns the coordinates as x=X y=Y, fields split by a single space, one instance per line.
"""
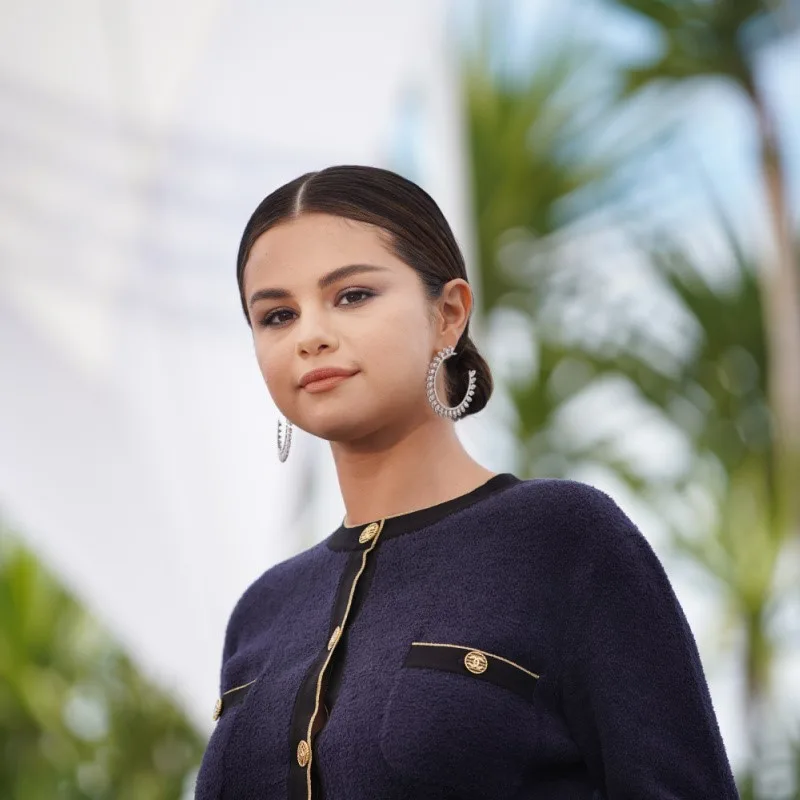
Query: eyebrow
x=330 y=278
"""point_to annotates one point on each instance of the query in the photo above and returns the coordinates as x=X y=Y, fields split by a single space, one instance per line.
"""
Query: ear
x=454 y=307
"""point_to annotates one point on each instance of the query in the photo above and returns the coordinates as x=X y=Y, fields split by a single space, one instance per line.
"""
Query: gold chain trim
x=236 y=688
x=477 y=650
x=333 y=649
x=218 y=706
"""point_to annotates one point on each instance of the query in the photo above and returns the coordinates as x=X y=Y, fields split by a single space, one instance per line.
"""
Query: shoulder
x=583 y=523
x=611 y=584
x=262 y=598
x=565 y=504
x=559 y=494
x=607 y=562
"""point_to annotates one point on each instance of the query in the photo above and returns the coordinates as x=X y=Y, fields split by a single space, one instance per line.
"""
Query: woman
x=462 y=634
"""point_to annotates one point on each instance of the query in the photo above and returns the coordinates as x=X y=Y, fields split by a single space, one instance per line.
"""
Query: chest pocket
x=461 y=717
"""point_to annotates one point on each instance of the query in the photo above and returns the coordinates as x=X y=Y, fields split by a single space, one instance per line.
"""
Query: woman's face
x=323 y=291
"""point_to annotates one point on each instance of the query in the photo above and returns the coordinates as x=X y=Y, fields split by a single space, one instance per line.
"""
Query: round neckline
x=346 y=537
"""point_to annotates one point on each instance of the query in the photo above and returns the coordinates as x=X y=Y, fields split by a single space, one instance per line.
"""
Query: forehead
x=312 y=244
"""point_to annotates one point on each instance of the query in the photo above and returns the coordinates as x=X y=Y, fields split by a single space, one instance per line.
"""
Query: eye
x=351 y=292
x=273 y=319
x=266 y=322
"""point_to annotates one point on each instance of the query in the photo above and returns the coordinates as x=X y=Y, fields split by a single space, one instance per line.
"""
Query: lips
x=323 y=373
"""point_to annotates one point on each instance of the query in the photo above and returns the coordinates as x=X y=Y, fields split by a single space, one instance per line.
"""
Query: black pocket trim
x=484 y=666
x=231 y=698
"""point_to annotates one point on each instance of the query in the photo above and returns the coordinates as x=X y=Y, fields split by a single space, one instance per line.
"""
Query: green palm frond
x=699 y=39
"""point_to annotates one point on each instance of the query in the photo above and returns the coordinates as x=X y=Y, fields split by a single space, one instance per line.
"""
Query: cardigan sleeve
x=633 y=690
x=241 y=623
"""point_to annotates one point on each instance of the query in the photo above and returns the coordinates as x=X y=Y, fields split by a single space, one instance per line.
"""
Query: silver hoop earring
x=283 y=449
x=450 y=412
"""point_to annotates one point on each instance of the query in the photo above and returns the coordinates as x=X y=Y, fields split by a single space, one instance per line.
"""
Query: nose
x=312 y=345
x=314 y=335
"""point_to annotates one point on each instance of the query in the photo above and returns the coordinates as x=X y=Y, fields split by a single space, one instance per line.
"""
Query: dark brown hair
x=416 y=232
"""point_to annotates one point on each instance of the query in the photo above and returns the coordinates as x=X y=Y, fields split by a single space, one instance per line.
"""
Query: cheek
x=273 y=364
x=396 y=356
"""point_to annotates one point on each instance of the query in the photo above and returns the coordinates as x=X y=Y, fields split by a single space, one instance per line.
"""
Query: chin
x=334 y=427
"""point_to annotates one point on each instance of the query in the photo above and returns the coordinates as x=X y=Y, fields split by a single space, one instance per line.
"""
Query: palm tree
x=719 y=40
x=534 y=177
x=534 y=167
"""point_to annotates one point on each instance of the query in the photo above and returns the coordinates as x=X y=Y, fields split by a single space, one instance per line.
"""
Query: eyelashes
x=269 y=320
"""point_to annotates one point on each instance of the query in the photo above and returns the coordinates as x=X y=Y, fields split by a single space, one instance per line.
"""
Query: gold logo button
x=475 y=661
x=334 y=637
x=217 y=709
x=368 y=533
x=303 y=752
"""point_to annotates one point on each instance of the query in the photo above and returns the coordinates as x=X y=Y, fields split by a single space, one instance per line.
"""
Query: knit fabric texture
x=523 y=641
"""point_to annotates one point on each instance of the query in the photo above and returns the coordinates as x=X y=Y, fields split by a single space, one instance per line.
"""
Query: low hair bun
x=457 y=369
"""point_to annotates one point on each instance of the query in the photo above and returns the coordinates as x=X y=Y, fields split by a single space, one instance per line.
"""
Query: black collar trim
x=346 y=538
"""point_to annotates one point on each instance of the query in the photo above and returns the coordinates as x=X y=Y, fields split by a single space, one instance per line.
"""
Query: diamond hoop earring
x=450 y=412
x=283 y=449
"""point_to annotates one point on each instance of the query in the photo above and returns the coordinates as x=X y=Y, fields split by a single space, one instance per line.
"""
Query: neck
x=421 y=468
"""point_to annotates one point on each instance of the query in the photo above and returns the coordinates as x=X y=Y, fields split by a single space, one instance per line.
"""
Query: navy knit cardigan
x=520 y=641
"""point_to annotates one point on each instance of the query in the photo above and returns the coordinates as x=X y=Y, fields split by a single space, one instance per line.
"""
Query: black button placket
x=310 y=697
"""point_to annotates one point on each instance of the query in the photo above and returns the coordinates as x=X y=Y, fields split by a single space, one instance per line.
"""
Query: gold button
x=217 y=709
x=368 y=533
x=303 y=751
x=475 y=661
x=337 y=631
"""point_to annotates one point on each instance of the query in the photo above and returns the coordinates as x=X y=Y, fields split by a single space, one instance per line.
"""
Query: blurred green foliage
x=77 y=720
x=547 y=189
